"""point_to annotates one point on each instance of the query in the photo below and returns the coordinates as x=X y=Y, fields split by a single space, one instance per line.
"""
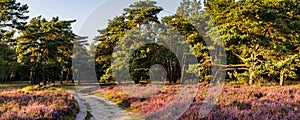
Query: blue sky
x=91 y=15
x=65 y=9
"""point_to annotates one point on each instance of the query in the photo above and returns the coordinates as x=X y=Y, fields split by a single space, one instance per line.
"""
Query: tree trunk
x=78 y=77
x=251 y=78
x=251 y=75
x=6 y=78
x=45 y=81
x=136 y=81
x=282 y=71
x=183 y=59
x=171 y=71
x=251 y=71
x=72 y=77
x=53 y=80
x=67 y=77
x=31 y=76
x=62 y=76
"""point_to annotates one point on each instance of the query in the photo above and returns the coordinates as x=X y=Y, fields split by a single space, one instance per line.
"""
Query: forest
x=254 y=45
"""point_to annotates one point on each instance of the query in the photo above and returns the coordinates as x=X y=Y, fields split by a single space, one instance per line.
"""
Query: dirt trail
x=101 y=108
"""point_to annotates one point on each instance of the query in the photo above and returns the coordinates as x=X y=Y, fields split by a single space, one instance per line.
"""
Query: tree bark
x=251 y=75
x=183 y=59
x=31 y=76
x=45 y=81
x=251 y=78
x=67 y=77
x=251 y=70
x=282 y=71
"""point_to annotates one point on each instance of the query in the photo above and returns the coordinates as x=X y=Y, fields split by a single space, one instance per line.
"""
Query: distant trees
x=81 y=61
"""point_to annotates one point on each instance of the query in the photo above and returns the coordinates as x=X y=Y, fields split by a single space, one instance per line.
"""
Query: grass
x=65 y=86
x=22 y=84
x=15 y=84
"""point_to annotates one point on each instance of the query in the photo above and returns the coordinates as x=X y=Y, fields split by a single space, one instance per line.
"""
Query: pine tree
x=257 y=32
x=13 y=16
x=282 y=20
x=45 y=46
x=138 y=15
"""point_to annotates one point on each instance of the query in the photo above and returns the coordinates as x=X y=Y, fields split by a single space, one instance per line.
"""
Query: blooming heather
x=51 y=104
x=235 y=102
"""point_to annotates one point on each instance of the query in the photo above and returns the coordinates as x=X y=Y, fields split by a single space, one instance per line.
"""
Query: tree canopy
x=261 y=37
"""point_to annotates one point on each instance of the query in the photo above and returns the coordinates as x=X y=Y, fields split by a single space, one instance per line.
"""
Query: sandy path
x=101 y=108
x=83 y=111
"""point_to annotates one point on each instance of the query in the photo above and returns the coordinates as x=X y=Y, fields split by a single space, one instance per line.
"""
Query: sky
x=90 y=15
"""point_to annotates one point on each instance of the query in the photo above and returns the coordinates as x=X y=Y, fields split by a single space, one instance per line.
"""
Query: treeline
x=260 y=37
x=39 y=51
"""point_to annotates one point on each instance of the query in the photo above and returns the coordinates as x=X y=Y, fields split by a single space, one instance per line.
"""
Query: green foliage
x=260 y=34
x=13 y=15
x=192 y=22
x=138 y=14
x=238 y=78
x=45 y=47
x=107 y=77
